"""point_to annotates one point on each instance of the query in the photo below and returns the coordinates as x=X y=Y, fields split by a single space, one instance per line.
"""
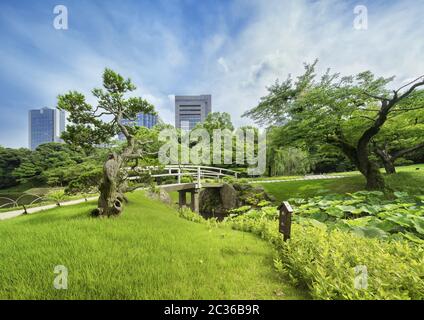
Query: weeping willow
x=289 y=161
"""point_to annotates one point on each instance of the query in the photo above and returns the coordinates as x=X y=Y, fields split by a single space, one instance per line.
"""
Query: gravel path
x=15 y=213
x=310 y=177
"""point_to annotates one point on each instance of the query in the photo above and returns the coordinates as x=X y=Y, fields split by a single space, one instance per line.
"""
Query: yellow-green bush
x=324 y=261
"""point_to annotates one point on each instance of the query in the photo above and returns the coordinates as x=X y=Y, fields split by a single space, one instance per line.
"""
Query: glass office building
x=190 y=110
x=45 y=125
x=143 y=120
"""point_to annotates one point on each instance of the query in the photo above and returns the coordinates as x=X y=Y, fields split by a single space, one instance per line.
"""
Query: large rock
x=161 y=195
x=228 y=197
x=242 y=186
x=210 y=201
x=165 y=197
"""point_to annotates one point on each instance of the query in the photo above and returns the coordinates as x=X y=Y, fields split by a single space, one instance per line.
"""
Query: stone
x=160 y=195
x=228 y=197
x=165 y=197
x=258 y=189
x=242 y=187
x=210 y=201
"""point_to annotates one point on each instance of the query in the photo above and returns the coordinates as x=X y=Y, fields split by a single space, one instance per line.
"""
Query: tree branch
x=408 y=150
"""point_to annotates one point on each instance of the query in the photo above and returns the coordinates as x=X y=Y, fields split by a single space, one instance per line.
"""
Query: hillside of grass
x=407 y=179
x=147 y=253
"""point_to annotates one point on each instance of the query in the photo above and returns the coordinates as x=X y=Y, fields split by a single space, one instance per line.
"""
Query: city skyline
x=191 y=109
x=45 y=125
x=186 y=47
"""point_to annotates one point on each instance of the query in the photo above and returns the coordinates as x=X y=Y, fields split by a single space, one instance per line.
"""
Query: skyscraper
x=45 y=125
x=190 y=110
x=143 y=120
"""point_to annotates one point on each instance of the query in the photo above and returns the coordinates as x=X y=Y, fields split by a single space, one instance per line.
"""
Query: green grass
x=147 y=253
x=406 y=179
x=310 y=188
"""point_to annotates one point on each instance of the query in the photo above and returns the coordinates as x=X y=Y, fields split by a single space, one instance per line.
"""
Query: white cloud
x=234 y=66
x=284 y=34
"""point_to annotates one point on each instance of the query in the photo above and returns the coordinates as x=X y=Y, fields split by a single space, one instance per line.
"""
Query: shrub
x=228 y=179
x=85 y=183
x=186 y=179
x=289 y=161
x=324 y=261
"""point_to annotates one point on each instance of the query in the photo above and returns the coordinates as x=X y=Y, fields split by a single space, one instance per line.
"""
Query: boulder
x=165 y=197
x=242 y=186
x=161 y=195
x=210 y=201
x=228 y=197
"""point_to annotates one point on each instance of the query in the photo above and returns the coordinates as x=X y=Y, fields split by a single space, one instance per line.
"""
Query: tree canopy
x=94 y=125
x=343 y=111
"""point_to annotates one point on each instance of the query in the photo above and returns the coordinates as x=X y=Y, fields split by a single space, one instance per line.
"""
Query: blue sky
x=230 y=49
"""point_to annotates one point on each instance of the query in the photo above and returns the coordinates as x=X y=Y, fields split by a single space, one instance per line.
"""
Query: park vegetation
x=314 y=125
x=345 y=112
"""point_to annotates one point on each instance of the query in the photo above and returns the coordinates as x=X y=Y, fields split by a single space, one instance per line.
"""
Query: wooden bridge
x=197 y=172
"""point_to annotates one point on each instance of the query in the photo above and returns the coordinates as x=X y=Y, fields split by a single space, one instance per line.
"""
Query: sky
x=230 y=49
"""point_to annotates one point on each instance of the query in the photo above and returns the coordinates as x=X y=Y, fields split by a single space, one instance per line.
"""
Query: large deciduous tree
x=324 y=110
x=95 y=125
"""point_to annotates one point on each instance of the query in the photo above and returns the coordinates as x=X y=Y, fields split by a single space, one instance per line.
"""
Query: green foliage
x=324 y=259
x=368 y=214
x=88 y=126
x=186 y=179
x=395 y=269
x=10 y=159
x=289 y=161
x=86 y=183
x=344 y=112
x=48 y=164
x=216 y=120
x=58 y=196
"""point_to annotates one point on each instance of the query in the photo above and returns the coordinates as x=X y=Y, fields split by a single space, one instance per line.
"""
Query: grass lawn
x=407 y=178
x=147 y=253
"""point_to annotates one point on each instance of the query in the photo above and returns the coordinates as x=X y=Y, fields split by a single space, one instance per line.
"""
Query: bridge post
x=198 y=178
x=195 y=200
x=182 y=200
x=179 y=175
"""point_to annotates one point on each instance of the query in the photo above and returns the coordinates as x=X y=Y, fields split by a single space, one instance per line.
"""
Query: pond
x=9 y=200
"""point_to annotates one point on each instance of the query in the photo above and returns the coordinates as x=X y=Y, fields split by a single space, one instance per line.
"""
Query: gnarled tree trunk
x=387 y=159
x=360 y=157
x=111 y=198
x=370 y=170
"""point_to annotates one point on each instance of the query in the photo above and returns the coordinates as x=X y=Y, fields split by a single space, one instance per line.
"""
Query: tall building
x=45 y=125
x=143 y=120
x=190 y=110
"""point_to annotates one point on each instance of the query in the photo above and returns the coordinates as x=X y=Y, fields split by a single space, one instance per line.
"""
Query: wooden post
x=285 y=219
x=198 y=178
x=179 y=175
x=182 y=200
x=194 y=200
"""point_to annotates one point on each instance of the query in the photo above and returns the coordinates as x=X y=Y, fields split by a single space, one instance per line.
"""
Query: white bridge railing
x=184 y=170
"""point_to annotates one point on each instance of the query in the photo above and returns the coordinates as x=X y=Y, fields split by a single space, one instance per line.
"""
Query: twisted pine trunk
x=111 y=198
